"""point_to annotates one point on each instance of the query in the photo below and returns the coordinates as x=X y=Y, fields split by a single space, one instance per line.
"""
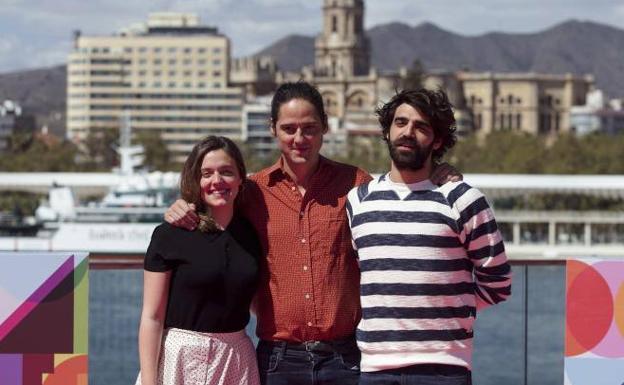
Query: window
x=534 y=233
x=334 y=24
x=570 y=233
x=506 y=230
x=607 y=233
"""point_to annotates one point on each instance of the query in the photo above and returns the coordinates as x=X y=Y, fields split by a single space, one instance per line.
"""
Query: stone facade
x=484 y=102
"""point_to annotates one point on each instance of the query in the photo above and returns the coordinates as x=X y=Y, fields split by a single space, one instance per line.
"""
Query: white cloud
x=42 y=29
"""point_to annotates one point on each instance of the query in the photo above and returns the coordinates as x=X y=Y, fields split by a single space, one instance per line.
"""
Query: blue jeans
x=419 y=375
x=280 y=365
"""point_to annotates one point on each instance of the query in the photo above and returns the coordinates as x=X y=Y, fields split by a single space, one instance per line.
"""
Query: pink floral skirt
x=193 y=358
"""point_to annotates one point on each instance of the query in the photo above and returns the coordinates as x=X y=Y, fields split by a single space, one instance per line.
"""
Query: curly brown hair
x=435 y=105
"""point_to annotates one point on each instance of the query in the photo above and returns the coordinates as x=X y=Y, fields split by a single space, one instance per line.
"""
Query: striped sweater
x=430 y=257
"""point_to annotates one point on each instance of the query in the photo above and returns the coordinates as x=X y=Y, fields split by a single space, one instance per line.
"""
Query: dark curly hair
x=435 y=105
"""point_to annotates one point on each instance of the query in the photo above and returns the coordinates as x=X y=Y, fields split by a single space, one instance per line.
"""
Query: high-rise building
x=168 y=76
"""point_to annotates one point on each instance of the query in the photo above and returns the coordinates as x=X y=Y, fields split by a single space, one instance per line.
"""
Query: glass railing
x=517 y=342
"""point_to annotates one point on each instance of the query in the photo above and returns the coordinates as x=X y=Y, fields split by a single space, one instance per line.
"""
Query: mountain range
x=578 y=47
x=574 y=46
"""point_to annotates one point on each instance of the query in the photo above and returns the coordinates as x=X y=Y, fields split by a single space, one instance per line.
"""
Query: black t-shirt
x=213 y=275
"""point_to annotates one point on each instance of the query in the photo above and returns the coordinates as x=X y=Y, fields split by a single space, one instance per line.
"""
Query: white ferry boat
x=121 y=222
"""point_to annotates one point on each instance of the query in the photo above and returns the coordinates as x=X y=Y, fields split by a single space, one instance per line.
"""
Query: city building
x=13 y=120
x=528 y=102
x=597 y=115
x=350 y=87
x=168 y=76
x=255 y=126
x=255 y=74
x=484 y=102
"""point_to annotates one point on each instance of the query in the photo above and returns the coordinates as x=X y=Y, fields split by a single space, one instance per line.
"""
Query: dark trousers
x=430 y=374
x=282 y=363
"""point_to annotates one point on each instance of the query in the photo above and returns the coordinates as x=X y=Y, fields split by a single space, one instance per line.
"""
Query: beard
x=414 y=159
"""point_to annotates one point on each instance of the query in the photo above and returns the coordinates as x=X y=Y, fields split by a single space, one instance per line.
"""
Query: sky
x=38 y=33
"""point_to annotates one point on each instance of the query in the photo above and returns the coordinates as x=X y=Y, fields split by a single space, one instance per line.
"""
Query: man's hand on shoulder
x=182 y=214
x=444 y=173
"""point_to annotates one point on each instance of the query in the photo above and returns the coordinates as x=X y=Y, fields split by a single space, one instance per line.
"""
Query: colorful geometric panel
x=44 y=318
x=594 y=330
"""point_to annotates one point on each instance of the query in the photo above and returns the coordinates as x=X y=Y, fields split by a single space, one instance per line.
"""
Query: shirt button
x=301 y=214
x=309 y=323
x=303 y=240
x=307 y=296
x=293 y=188
x=305 y=268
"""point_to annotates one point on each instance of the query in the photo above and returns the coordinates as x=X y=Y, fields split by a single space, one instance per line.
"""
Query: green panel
x=81 y=307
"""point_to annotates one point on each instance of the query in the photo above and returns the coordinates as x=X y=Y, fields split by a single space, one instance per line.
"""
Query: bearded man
x=430 y=256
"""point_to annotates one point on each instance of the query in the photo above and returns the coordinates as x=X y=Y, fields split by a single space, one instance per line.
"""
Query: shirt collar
x=276 y=172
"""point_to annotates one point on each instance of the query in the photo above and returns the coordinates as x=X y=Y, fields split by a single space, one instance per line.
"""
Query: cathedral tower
x=342 y=48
